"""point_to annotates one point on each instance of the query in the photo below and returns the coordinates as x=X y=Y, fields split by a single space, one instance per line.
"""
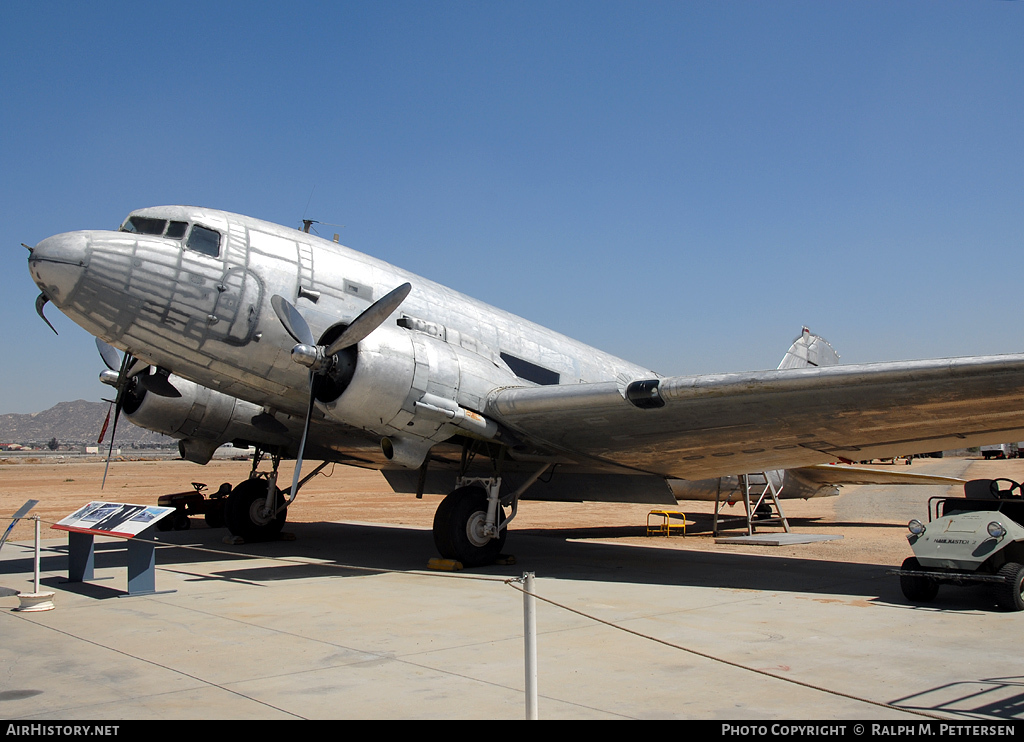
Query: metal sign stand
x=136 y=524
x=141 y=561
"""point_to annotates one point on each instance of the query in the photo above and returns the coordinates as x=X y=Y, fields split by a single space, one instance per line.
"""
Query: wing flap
x=695 y=427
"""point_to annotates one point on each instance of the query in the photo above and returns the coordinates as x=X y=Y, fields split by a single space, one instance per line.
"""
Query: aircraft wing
x=695 y=427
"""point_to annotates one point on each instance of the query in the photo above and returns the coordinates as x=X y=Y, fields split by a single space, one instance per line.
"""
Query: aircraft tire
x=917 y=589
x=1010 y=594
x=242 y=512
x=457 y=523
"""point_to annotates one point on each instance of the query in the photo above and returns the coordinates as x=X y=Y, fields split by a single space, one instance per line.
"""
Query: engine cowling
x=411 y=388
x=201 y=417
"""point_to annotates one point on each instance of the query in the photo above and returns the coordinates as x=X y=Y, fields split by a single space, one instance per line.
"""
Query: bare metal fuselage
x=209 y=320
x=446 y=377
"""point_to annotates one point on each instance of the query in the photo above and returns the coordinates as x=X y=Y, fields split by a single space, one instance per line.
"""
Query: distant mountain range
x=74 y=423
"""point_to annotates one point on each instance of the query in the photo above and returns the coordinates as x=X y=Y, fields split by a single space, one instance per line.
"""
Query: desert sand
x=871 y=520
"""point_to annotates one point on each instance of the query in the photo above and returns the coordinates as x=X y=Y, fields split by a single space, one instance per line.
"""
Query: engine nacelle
x=412 y=389
x=203 y=418
x=379 y=385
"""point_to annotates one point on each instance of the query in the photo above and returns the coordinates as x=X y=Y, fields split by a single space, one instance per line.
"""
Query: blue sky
x=683 y=184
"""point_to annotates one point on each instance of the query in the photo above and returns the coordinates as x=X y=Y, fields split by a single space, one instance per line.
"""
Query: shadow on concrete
x=1001 y=698
x=346 y=549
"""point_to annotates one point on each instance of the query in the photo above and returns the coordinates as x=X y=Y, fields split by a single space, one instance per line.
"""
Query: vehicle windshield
x=158 y=227
x=144 y=225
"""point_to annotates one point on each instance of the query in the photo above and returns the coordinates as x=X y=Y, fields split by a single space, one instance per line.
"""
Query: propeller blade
x=296 y=326
x=122 y=383
x=314 y=383
x=372 y=318
x=110 y=451
x=40 y=303
x=106 y=422
x=109 y=355
x=293 y=322
x=136 y=368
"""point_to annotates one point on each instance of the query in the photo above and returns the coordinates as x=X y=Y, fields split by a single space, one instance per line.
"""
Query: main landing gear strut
x=257 y=508
x=470 y=524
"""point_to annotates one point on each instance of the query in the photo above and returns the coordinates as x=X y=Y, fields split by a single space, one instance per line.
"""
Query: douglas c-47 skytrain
x=235 y=329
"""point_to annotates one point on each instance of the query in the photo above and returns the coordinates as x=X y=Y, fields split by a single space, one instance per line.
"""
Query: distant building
x=96 y=450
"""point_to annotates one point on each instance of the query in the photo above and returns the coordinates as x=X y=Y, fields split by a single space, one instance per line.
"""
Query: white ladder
x=760 y=492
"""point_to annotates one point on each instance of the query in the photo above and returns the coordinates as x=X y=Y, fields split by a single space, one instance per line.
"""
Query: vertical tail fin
x=809 y=351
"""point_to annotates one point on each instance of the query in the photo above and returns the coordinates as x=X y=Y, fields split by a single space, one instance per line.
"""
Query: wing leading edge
x=694 y=427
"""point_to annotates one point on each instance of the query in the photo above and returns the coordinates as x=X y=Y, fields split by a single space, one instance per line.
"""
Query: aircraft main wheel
x=915 y=588
x=1010 y=594
x=458 y=528
x=244 y=511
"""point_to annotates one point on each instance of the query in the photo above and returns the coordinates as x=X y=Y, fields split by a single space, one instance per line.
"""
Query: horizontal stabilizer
x=845 y=474
x=821 y=480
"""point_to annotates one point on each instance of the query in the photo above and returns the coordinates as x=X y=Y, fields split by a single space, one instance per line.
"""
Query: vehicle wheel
x=458 y=528
x=181 y=521
x=165 y=523
x=917 y=589
x=1010 y=594
x=244 y=512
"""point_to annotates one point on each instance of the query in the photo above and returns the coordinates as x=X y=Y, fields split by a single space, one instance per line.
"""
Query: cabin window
x=204 y=240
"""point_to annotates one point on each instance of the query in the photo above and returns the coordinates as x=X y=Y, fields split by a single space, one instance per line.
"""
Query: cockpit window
x=176 y=230
x=144 y=225
x=204 y=240
x=158 y=227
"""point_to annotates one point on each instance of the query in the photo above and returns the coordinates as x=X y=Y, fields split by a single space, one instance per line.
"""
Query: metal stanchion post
x=36 y=567
x=530 y=636
x=36 y=600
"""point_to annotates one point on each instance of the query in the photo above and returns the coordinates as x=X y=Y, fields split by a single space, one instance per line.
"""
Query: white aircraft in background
x=238 y=330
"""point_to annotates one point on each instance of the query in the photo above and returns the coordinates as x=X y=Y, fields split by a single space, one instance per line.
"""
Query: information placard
x=113 y=519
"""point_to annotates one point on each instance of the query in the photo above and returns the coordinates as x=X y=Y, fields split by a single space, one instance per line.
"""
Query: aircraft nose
x=57 y=263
